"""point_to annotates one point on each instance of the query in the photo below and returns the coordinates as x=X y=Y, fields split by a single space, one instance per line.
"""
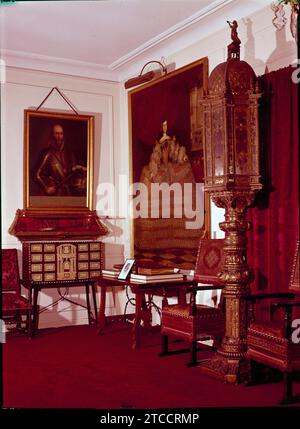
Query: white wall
x=24 y=89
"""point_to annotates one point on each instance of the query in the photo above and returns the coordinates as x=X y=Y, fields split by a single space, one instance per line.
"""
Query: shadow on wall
x=113 y=230
x=250 y=46
x=282 y=46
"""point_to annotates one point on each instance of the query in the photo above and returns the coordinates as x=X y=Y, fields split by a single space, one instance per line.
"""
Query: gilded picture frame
x=58 y=161
x=168 y=105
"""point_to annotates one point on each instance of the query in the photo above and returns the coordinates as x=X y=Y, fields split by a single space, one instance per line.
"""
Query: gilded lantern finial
x=233 y=49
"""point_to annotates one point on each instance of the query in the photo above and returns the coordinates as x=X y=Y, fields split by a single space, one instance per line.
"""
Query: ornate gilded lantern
x=231 y=157
x=231 y=126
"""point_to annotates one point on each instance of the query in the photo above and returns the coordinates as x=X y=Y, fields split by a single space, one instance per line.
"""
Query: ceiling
x=108 y=39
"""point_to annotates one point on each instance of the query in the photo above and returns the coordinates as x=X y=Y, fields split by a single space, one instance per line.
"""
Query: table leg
x=101 y=315
x=87 y=291
x=30 y=293
x=93 y=285
x=35 y=309
x=136 y=330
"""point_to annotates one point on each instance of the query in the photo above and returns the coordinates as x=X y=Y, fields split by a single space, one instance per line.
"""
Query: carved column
x=229 y=363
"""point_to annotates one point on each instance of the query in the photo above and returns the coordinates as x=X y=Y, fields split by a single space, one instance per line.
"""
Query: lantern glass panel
x=218 y=140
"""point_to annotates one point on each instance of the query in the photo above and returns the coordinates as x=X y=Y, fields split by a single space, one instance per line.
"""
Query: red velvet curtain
x=275 y=217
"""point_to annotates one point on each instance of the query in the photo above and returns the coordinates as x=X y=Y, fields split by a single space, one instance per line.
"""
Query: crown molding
x=208 y=24
x=186 y=33
x=46 y=63
x=171 y=32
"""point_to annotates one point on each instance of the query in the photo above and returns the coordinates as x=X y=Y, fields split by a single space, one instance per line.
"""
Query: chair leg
x=287 y=388
x=217 y=341
x=35 y=317
x=93 y=286
x=193 y=350
x=87 y=292
x=29 y=323
x=19 y=321
x=164 y=345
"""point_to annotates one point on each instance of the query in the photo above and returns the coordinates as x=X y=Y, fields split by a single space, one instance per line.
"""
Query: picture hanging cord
x=62 y=95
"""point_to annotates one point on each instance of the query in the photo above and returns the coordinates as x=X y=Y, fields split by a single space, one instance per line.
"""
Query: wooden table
x=172 y=288
x=36 y=287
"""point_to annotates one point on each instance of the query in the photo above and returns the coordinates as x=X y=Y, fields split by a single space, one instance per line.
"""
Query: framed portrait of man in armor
x=170 y=210
x=58 y=161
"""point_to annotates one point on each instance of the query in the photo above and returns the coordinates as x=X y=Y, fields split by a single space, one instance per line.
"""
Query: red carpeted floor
x=75 y=368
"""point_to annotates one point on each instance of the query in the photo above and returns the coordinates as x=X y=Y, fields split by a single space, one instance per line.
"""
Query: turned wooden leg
x=136 y=328
x=193 y=351
x=164 y=345
x=94 y=286
x=101 y=315
x=287 y=388
x=87 y=292
x=19 y=321
x=35 y=321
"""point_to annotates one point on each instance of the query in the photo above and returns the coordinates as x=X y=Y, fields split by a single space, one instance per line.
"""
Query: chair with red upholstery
x=190 y=321
x=272 y=343
x=14 y=305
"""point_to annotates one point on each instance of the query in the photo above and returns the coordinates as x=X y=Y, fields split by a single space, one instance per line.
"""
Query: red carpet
x=74 y=368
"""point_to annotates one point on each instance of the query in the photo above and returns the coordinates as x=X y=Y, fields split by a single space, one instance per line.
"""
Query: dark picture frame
x=58 y=161
x=126 y=269
x=171 y=99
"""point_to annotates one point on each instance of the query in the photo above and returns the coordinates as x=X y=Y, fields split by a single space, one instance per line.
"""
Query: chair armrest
x=287 y=314
x=204 y=287
x=194 y=289
x=271 y=295
x=260 y=296
x=286 y=304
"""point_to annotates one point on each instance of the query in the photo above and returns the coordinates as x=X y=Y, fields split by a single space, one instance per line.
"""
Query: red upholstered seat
x=271 y=342
x=191 y=321
x=14 y=305
x=267 y=328
x=12 y=301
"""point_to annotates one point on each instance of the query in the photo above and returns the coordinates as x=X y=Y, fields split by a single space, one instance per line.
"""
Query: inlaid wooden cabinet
x=61 y=261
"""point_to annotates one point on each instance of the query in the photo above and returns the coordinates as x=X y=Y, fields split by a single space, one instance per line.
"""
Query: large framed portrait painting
x=166 y=134
x=58 y=159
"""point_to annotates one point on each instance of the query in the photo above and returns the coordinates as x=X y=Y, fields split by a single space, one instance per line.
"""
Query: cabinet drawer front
x=95 y=265
x=95 y=274
x=83 y=275
x=83 y=265
x=49 y=247
x=84 y=247
x=36 y=248
x=49 y=277
x=36 y=257
x=95 y=256
x=95 y=246
x=36 y=267
x=83 y=256
x=49 y=257
x=49 y=267
x=36 y=277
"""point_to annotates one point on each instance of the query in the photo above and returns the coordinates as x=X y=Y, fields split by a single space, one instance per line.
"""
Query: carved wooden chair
x=14 y=305
x=272 y=343
x=191 y=321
